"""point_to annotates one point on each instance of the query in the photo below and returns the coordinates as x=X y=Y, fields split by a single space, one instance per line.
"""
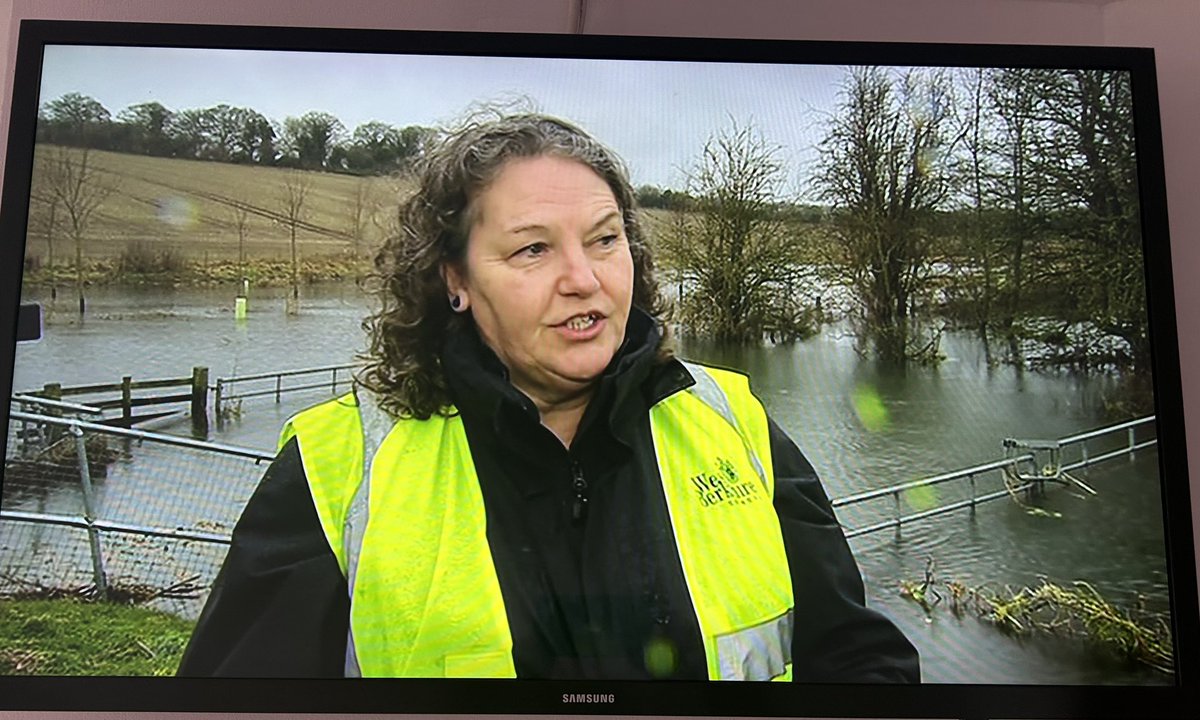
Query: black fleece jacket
x=581 y=542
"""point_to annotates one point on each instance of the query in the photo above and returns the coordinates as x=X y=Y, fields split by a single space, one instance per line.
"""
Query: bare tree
x=74 y=183
x=384 y=209
x=976 y=230
x=998 y=193
x=732 y=247
x=1056 y=186
x=241 y=220
x=359 y=213
x=1088 y=153
x=881 y=172
x=1018 y=188
x=43 y=220
x=292 y=196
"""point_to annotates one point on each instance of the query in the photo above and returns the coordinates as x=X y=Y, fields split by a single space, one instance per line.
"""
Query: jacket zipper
x=579 y=507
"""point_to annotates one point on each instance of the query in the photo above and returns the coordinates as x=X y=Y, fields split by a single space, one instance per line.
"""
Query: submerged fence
x=128 y=395
x=230 y=391
x=141 y=516
x=1028 y=466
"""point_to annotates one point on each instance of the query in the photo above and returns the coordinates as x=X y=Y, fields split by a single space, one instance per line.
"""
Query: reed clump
x=1075 y=610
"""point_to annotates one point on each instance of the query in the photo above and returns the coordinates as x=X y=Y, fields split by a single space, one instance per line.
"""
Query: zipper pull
x=579 y=507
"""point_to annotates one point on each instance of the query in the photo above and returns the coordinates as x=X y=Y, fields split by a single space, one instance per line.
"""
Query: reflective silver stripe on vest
x=711 y=394
x=761 y=652
x=375 y=426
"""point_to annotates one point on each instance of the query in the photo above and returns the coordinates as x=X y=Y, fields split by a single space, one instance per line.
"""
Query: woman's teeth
x=581 y=323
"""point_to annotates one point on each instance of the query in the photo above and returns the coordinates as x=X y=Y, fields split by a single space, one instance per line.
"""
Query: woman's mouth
x=581 y=322
x=582 y=327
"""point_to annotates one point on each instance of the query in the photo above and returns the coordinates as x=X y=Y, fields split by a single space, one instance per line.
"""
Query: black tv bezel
x=672 y=698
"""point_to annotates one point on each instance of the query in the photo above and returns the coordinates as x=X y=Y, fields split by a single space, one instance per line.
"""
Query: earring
x=455 y=302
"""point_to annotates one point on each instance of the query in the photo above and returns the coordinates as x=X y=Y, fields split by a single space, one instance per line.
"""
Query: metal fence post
x=1132 y=442
x=896 y=498
x=971 y=477
x=89 y=513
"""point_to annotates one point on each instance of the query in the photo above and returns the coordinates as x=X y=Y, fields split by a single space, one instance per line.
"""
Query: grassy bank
x=167 y=270
x=73 y=637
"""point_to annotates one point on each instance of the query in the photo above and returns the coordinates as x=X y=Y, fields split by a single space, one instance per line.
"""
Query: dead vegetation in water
x=1075 y=610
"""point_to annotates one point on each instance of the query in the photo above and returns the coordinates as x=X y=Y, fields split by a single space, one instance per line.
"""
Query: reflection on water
x=953 y=416
x=927 y=420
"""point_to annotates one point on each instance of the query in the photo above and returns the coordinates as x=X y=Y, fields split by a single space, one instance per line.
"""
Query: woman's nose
x=578 y=273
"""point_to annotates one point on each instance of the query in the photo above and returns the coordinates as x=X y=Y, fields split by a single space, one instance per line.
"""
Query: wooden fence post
x=200 y=400
x=52 y=391
x=127 y=400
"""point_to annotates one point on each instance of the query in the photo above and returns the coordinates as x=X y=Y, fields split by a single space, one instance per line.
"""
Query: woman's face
x=548 y=275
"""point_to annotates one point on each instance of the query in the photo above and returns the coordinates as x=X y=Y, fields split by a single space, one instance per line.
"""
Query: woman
x=527 y=483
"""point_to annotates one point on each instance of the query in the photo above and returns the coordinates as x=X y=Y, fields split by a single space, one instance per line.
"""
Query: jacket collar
x=633 y=381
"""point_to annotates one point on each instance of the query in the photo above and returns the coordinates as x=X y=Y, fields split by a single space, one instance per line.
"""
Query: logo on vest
x=724 y=487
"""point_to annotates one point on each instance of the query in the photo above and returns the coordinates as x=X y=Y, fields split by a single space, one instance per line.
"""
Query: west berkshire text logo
x=724 y=487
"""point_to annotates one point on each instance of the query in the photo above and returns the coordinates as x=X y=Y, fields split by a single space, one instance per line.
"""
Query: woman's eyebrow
x=528 y=227
x=538 y=227
x=608 y=217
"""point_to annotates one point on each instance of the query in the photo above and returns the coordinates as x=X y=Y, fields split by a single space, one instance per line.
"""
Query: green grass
x=261 y=273
x=73 y=637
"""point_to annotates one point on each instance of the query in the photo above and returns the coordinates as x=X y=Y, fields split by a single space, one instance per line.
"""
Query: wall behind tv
x=1169 y=26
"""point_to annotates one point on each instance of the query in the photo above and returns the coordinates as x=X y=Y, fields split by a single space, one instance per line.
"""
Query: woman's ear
x=456 y=287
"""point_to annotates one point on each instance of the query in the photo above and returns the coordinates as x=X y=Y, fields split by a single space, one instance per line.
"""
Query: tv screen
x=943 y=269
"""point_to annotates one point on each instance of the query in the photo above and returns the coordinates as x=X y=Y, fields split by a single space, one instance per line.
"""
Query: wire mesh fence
x=91 y=509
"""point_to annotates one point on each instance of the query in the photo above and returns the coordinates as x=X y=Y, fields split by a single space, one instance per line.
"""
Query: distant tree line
x=656 y=198
x=224 y=133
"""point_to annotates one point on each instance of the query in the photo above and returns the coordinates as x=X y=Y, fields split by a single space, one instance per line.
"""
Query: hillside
x=189 y=208
x=177 y=220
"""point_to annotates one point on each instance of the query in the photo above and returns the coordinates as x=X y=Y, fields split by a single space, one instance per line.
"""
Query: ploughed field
x=190 y=208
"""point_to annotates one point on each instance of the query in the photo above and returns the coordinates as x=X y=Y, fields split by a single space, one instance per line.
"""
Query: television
x=944 y=268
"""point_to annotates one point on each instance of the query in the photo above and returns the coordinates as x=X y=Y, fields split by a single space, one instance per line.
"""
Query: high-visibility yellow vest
x=410 y=533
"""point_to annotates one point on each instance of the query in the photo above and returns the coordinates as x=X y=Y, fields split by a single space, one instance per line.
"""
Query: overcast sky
x=656 y=115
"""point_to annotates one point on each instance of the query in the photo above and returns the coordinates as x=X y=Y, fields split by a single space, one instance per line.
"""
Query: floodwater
x=919 y=422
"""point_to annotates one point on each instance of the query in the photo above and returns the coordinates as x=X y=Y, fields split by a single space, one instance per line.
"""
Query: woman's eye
x=609 y=240
x=533 y=250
